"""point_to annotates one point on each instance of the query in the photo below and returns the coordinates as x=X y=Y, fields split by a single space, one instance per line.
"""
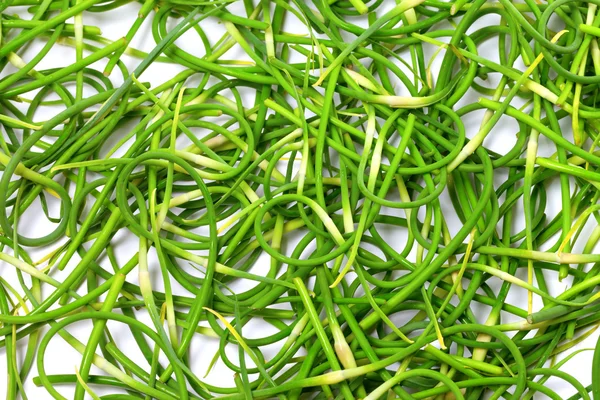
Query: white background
x=61 y=358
